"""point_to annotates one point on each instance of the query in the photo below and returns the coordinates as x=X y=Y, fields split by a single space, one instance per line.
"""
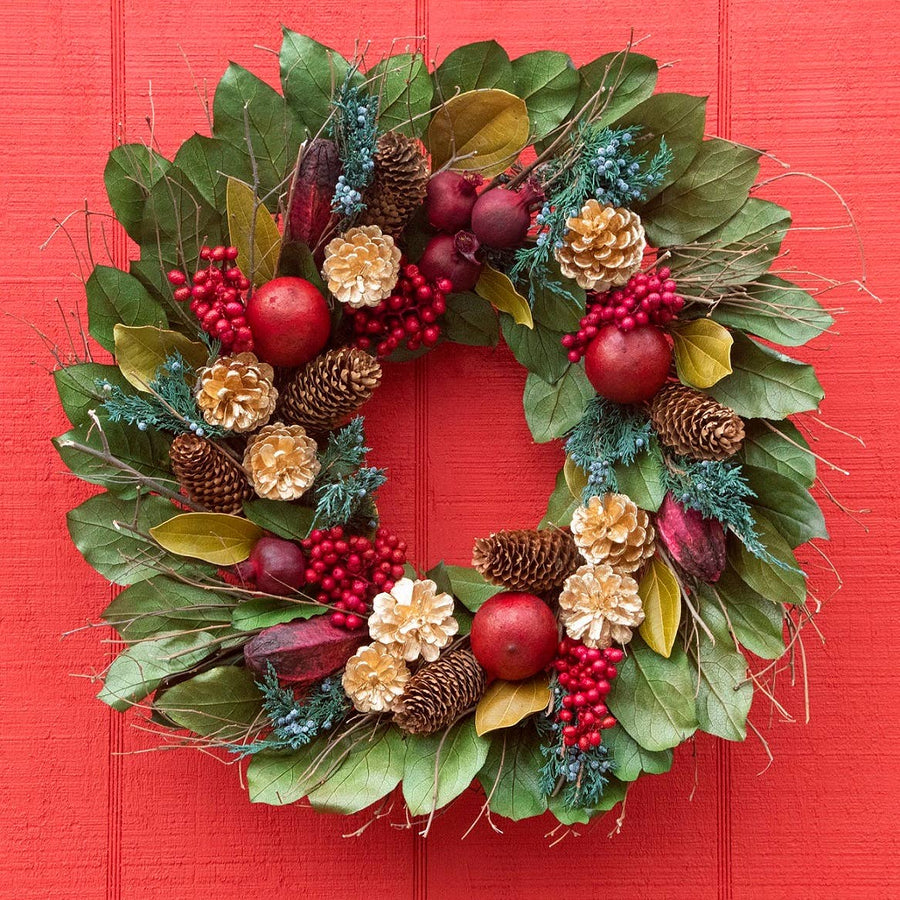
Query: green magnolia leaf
x=500 y=292
x=702 y=352
x=511 y=775
x=138 y=670
x=439 y=767
x=774 y=309
x=653 y=697
x=280 y=777
x=538 y=349
x=739 y=250
x=766 y=384
x=130 y=173
x=243 y=103
x=263 y=612
x=146 y=451
x=216 y=538
x=287 y=520
x=176 y=214
x=757 y=622
x=661 y=599
x=713 y=187
x=724 y=692
x=548 y=83
x=471 y=67
x=114 y=297
x=404 y=89
x=553 y=409
x=555 y=311
x=790 y=507
x=163 y=607
x=224 y=703
x=781 y=585
x=371 y=770
x=140 y=351
x=101 y=530
x=560 y=505
x=631 y=758
x=471 y=320
x=253 y=231
x=209 y=163
x=576 y=478
x=643 y=480
x=311 y=75
x=469 y=586
x=627 y=79
x=78 y=390
x=783 y=450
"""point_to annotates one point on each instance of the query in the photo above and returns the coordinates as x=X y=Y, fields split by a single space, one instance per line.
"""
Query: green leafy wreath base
x=183 y=640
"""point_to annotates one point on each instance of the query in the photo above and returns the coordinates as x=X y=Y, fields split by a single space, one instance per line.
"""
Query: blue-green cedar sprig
x=354 y=129
x=168 y=406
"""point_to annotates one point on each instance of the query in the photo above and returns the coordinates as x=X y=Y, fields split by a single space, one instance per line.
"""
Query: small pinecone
x=695 y=425
x=208 y=476
x=439 y=692
x=329 y=388
x=534 y=561
x=398 y=188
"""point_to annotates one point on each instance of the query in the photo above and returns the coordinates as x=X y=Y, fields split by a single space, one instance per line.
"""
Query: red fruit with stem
x=449 y=199
x=275 y=565
x=628 y=366
x=514 y=635
x=454 y=257
x=290 y=321
x=501 y=218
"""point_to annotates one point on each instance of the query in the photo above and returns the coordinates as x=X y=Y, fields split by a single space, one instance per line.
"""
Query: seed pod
x=695 y=543
x=313 y=190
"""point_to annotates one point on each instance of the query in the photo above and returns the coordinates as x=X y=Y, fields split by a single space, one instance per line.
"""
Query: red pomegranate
x=628 y=366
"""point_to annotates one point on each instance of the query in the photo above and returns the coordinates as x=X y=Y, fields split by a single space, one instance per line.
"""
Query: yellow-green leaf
x=702 y=352
x=141 y=350
x=481 y=131
x=500 y=292
x=213 y=537
x=259 y=243
x=576 y=478
x=661 y=597
x=507 y=702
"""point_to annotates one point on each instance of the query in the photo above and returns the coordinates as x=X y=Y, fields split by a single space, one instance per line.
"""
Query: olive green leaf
x=130 y=173
x=548 y=83
x=560 y=504
x=405 y=90
x=263 y=612
x=253 y=231
x=783 y=585
x=506 y=703
x=115 y=297
x=499 y=291
x=481 y=65
x=469 y=586
x=631 y=758
x=537 y=348
x=78 y=388
x=140 y=351
x=511 y=775
x=788 y=505
x=288 y=520
x=783 y=450
x=217 y=538
x=620 y=81
x=702 y=352
x=661 y=598
x=557 y=311
x=553 y=409
x=209 y=163
x=280 y=777
x=471 y=320
x=643 y=480
x=177 y=216
x=576 y=478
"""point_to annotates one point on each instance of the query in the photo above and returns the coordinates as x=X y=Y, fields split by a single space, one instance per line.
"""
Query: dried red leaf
x=695 y=543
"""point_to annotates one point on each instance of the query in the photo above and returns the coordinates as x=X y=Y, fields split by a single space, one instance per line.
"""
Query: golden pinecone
x=415 y=618
x=611 y=529
x=236 y=392
x=604 y=246
x=599 y=606
x=281 y=461
x=440 y=692
x=374 y=678
x=398 y=186
x=329 y=388
x=695 y=425
x=208 y=475
x=362 y=266
x=527 y=560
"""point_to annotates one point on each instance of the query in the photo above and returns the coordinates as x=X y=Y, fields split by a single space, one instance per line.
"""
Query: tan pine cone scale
x=612 y=529
x=329 y=389
x=440 y=692
x=527 y=560
x=208 y=475
x=695 y=425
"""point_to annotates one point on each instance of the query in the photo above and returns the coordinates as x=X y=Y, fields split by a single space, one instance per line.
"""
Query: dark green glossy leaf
x=548 y=83
x=405 y=90
x=78 y=391
x=263 y=612
x=130 y=173
x=553 y=409
x=631 y=758
x=788 y=505
x=560 y=505
x=288 y=520
x=627 y=79
x=114 y=296
x=538 y=349
x=511 y=774
x=556 y=311
x=471 y=320
x=777 y=450
x=473 y=66
x=469 y=586
x=208 y=163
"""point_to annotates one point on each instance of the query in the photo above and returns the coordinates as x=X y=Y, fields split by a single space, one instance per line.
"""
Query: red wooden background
x=86 y=814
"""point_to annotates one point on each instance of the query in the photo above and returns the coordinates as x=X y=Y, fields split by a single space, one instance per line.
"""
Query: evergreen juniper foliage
x=354 y=129
x=169 y=405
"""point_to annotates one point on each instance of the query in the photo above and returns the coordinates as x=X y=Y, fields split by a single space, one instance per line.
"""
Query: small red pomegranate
x=276 y=566
x=501 y=218
x=449 y=199
x=628 y=366
x=452 y=256
x=290 y=321
x=514 y=636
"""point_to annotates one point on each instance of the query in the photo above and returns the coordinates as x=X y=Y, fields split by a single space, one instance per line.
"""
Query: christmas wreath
x=366 y=214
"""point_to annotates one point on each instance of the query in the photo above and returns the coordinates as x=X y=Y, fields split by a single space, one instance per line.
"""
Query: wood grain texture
x=87 y=814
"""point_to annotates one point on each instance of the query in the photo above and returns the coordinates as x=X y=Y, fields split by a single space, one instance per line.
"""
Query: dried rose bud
x=695 y=543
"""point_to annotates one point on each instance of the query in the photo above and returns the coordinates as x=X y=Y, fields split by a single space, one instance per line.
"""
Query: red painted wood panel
x=87 y=814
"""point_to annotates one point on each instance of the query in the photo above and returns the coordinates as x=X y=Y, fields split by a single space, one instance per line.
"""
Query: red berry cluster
x=216 y=295
x=647 y=299
x=409 y=316
x=350 y=570
x=585 y=673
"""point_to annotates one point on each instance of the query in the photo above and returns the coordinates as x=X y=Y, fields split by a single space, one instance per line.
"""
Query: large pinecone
x=695 y=425
x=208 y=475
x=527 y=560
x=440 y=692
x=329 y=389
x=398 y=187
